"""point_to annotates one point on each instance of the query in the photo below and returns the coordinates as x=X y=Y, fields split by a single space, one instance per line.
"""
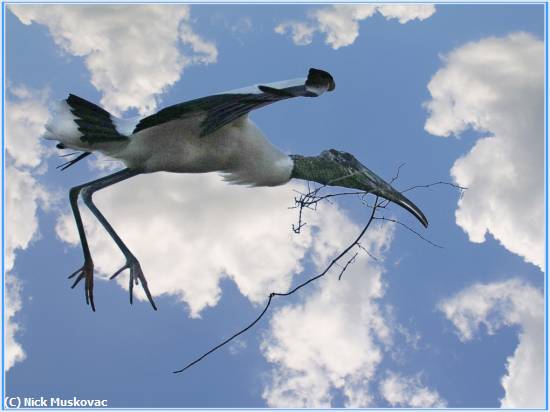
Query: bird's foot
x=136 y=276
x=86 y=272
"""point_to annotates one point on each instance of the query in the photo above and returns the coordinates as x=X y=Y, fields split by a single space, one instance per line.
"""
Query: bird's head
x=336 y=168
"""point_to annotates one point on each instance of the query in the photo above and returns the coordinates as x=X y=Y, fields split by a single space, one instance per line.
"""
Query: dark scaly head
x=335 y=168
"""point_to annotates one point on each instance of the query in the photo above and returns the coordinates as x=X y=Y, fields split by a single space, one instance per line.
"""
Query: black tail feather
x=95 y=123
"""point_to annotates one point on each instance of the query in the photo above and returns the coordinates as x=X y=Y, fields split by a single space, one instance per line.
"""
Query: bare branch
x=271 y=295
x=294 y=290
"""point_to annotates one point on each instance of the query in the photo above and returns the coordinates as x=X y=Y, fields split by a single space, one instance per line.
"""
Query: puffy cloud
x=505 y=304
x=23 y=194
x=302 y=33
x=25 y=118
x=340 y=23
x=496 y=86
x=406 y=12
x=204 y=51
x=131 y=51
x=26 y=115
x=335 y=338
x=401 y=391
x=190 y=231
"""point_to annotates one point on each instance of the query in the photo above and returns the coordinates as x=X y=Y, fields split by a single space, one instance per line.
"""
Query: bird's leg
x=87 y=270
x=136 y=274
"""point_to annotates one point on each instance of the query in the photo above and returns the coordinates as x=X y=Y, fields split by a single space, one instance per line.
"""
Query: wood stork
x=210 y=134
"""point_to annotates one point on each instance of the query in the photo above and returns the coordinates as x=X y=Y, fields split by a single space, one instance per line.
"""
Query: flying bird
x=209 y=134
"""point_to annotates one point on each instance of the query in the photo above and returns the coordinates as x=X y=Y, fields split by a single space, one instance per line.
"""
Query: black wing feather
x=222 y=109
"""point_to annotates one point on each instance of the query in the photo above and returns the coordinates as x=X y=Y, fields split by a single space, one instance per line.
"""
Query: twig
x=397 y=174
x=461 y=188
x=411 y=229
x=360 y=246
x=311 y=199
x=349 y=262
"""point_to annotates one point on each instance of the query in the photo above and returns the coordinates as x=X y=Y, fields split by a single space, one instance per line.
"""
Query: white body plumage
x=239 y=150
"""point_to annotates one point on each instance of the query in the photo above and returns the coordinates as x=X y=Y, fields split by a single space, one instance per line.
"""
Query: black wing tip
x=318 y=77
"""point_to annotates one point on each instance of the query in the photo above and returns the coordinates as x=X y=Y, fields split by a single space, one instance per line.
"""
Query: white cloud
x=131 y=51
x=26 y=115
x=23 y=194
x=496 y=86
x=406 y=12
x=25 y=118
x=205 y=51
x=505 y=304
x=340 y=23
x=302 y=33
x=403 y=392
x=335 y=339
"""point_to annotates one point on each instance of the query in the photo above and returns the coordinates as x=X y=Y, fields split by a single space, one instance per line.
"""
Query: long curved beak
x=373 y=183
x=405 y=203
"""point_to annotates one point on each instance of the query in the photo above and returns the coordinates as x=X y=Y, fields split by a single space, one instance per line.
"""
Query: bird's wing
x=335 y=168
x=223 y=108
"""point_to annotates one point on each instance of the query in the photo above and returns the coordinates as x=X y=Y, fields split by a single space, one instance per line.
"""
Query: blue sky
x=453 y=91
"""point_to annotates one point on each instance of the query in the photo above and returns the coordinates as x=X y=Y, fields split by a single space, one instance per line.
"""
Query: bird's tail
x=81 y=125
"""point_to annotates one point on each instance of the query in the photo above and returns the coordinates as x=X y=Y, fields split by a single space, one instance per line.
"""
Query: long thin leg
x=136 y=274
x=86 y=272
